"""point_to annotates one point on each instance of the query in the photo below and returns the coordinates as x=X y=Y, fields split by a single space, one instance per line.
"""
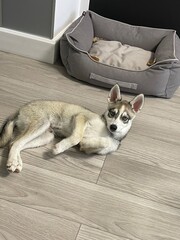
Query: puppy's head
x=120 y=113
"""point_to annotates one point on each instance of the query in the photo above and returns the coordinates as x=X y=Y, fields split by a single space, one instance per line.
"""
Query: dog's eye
x=125 y=119
x=111 y=113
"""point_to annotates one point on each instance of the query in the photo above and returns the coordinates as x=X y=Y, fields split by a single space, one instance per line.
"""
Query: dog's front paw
x=57 y=149
x=60 y=147
x=14 y=165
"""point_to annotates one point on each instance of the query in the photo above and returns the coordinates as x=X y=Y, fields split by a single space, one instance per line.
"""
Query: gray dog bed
x=84 y=52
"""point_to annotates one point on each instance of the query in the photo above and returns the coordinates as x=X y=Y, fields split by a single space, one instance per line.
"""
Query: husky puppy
x=36 y=123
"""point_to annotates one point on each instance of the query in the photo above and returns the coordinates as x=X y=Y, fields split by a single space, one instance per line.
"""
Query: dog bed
x=83 y=59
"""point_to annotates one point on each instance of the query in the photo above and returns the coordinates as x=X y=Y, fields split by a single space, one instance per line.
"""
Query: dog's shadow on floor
x=3 y=162
x=48 y=155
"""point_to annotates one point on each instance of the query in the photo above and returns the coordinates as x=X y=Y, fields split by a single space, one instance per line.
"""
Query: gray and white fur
x=36 y=123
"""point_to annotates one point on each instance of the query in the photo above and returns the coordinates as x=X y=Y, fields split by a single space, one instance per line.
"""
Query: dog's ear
x=114 y=94
x=137 y=103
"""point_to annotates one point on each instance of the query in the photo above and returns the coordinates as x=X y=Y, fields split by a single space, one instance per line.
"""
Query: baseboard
x=31 y=46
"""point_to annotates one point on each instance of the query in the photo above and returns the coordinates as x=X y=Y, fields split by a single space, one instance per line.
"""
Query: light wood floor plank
x=38 y=80
x=20 y=223
x=140 y=179
x=72 y=162
x=116 y=212
x=87 y=233
x=150 y=151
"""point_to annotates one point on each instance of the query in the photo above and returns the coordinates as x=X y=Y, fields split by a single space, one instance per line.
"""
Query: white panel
x=84 y=5
x=31 y=46
x=67 y=11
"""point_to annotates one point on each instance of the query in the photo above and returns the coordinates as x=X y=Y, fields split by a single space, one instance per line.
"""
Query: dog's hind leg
x=42 y=140
x=14 y=163
x=79 y=125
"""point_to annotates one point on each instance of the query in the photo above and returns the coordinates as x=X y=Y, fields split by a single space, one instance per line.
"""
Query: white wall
x=67 y=11
x=83 y=5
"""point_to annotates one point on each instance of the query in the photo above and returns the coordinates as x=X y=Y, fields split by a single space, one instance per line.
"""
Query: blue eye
x=125 y=119
x=111 y=113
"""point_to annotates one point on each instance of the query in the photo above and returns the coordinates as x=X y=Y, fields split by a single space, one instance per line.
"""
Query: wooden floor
x=132 y=194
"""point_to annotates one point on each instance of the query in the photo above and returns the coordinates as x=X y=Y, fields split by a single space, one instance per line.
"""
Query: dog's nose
x=113 y=127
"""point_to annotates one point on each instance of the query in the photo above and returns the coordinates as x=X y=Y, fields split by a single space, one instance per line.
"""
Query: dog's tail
x=6 y=132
